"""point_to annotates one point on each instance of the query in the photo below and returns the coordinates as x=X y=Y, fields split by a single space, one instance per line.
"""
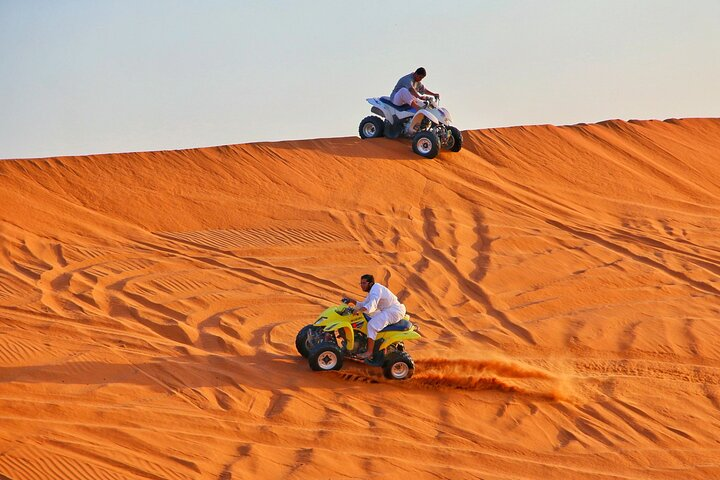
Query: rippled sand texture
x=566 y=281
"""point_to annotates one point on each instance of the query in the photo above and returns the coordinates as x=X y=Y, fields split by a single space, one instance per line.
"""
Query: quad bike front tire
x=426 y=144
x=301 y=341
x=455 y=142
x=326 y=356
x=371 y=127
x=398 y=366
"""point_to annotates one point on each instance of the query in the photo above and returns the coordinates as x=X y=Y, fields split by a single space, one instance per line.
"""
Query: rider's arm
x=360 y=304
x=422 y=91
x=358 y=307
x=371 y=301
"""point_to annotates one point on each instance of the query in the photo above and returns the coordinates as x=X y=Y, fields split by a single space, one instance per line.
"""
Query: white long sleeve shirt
x=379 y=298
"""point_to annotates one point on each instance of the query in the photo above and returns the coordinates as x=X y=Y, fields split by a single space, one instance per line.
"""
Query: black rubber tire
x=398 y=366
x=426 y=144
x=300 y=338
x=371 y=127
x=326 y=356
x=392 y=131
x=457 y=139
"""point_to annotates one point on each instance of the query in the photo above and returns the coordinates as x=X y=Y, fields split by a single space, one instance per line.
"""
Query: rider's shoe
x=373 y=362
x=365 y=355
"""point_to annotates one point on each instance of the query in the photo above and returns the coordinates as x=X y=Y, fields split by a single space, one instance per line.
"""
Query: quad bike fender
x=446 y=115
x=329 y=312
x=424 y=113
x=386 y=111
x=332 y=325
x=380 y=108
x=390 y=338
x=346 y=327
x=331 y=320
x=373 y=101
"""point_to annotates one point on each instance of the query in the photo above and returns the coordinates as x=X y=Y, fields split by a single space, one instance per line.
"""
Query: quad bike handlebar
x=431 y=101
x=350 y=302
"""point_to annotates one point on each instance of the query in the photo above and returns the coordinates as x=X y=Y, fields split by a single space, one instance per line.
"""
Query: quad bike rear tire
x=456 y=140
x=300 y=341
x=398 y=366
x=371 y=127
x=393 y=130
x=426 y=144
x=326 y=356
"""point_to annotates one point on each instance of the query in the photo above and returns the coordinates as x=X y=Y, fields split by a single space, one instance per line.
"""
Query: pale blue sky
x=81 y=76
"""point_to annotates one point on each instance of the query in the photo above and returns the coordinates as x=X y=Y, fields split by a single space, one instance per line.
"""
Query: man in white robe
x=383 y=307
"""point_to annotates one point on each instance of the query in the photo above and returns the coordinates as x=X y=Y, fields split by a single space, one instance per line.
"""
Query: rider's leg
x=370 y=348
x=403 y=97
x=379 y=321
x=376 y=323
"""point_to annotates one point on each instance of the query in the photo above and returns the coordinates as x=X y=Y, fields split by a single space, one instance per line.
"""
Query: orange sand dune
x=566 y=281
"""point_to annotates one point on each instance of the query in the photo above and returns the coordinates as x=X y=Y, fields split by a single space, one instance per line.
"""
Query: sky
x=80 y=77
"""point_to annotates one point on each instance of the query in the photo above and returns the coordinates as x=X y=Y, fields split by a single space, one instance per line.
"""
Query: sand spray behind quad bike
x=495 y=373
x=492 y=374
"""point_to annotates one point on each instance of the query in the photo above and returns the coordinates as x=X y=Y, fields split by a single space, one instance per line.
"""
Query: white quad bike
x=428 y=127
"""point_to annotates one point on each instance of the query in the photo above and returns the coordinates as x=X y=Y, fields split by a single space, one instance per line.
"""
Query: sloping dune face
x=566 y=281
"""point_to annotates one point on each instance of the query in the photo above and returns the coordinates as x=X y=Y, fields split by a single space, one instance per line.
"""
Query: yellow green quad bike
x=340 y=332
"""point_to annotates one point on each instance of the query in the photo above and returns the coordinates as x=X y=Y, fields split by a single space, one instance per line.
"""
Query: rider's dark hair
x=369 y=278
x=421 y=71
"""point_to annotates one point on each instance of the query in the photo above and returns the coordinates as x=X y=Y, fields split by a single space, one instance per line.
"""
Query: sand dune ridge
x=566 y=281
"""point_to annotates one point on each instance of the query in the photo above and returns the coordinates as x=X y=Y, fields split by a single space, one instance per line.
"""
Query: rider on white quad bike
x=414 y=116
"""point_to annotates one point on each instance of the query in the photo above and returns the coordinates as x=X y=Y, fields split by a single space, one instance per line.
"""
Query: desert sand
x=566 y=281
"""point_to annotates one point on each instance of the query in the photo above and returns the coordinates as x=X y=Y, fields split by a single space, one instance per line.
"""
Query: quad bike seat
x=400 y=326
x=402 y=108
